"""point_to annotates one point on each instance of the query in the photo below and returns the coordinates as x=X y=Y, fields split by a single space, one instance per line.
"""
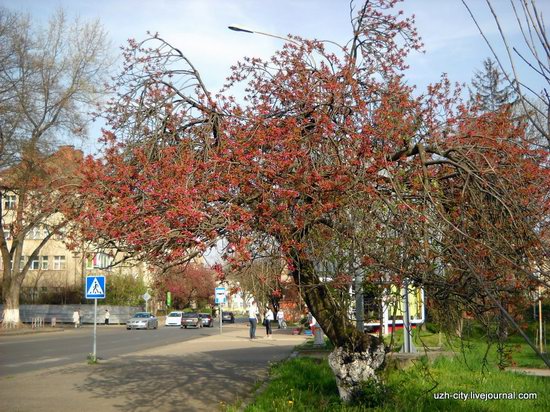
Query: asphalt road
x=25 y=353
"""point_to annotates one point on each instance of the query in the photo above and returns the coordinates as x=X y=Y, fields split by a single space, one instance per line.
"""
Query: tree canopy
x=329 y=146
x=48 y=77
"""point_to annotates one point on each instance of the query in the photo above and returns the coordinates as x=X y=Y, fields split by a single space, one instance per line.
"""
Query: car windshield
x=227 y=313
x=174 y=315
x=190 y=315
x=204 y=315
x=142 y=315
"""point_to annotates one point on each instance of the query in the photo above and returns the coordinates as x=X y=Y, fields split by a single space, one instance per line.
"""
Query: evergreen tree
x=490 y=88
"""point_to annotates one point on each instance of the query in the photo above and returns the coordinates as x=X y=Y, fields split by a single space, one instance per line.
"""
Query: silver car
x=142 y=320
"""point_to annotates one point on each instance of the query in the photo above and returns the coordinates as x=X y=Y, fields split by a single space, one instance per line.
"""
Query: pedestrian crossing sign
x=95 y=287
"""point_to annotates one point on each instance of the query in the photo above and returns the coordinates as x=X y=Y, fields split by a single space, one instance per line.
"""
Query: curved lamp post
x=236 y=27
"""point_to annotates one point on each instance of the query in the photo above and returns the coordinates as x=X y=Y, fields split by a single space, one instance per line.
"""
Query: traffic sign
x=219 y=293
x=95 y=287
x=146 y=296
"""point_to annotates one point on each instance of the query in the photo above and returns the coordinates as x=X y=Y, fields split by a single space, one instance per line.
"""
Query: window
x=44 y=262
x=59 y=263
x=35 y=264
x=35 y=233
x=7 y=232
x=60 y=233
x=9 y=201
x=89 y=261
x=40 y=262
x=98 y=261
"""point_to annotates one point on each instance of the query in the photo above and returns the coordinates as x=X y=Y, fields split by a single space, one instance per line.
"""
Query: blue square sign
x=219 y=293
x=95 y=287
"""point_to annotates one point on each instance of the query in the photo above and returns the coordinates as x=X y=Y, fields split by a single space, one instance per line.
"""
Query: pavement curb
x=543 y=373
x=7 y=332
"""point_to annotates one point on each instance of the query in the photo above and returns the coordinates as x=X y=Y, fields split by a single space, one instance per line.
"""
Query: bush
x=125 y=290
x=370 y=394
x=432 y=327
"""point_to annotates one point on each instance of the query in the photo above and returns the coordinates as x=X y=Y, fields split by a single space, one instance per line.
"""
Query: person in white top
x=281 y=319
x=253 y=319
x=76 y=318
x=267 y=322
x=312 y=323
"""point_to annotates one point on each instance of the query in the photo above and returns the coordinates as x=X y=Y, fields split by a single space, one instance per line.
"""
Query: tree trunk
x=10 y=295
x=357 y=356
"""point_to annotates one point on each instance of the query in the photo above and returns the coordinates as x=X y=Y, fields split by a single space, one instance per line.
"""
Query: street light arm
x=236 y=27
x=242 y=29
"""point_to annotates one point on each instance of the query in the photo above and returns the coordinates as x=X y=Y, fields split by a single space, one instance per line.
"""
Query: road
x=26 y=353
x=201 y=374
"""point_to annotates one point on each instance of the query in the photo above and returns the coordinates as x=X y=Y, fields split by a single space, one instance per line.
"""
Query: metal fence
x=56 y=314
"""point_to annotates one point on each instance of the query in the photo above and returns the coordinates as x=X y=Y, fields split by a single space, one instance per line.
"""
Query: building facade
x=57 y=274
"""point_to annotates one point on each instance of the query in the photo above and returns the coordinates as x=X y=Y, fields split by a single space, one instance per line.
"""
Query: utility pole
x=408 y=346
x=359 y=300
x=541 y=335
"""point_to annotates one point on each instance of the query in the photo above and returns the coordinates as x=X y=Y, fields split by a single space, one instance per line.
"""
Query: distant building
x=57 y=273
x=388 y=311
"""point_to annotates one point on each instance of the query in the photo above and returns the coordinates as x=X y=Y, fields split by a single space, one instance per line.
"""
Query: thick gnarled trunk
x=10 y=297
x=351 y=369
x=358 y=356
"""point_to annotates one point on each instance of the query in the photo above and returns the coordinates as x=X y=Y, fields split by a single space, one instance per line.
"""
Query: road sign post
x=95 y=289
x=146 y=296
x=94 y=352
x=219 y=293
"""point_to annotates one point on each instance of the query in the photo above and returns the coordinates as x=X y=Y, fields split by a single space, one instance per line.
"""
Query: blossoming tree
x=329 y=147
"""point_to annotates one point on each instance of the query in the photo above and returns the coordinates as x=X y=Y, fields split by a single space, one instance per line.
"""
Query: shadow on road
x=190 y=382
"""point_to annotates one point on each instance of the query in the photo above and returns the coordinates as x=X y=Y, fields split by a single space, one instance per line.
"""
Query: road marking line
x=15 y=365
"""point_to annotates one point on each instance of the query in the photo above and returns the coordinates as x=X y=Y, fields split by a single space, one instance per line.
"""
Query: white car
x=173 y=319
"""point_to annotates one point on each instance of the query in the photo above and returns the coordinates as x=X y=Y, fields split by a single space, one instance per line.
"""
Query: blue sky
x=199 y=29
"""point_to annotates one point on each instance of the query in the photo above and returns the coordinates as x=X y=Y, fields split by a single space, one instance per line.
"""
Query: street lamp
x=239 y=28
x=236 y=27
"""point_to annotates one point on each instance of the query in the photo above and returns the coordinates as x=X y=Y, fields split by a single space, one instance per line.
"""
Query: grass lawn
x=307 y=384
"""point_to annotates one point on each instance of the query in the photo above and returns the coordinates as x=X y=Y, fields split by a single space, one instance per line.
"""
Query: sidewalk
x=531 y=371
x=27 y=330
x=199 y=375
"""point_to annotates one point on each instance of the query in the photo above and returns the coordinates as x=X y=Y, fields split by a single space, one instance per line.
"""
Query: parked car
x=228 y=317
x=207 y=320
x=173 y=319
x=191 y=319
x=142 y=320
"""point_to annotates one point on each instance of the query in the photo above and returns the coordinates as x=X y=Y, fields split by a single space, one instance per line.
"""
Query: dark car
x=228 y=317
x=207 y=320
x=191 y=319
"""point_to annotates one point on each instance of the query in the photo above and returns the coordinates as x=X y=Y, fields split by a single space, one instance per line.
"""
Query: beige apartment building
x=57 y=273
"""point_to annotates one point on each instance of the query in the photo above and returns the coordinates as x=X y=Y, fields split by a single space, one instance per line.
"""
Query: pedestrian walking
x=76 y=318
x=267 y=323
x=312 y=323
x=281 y=319
x=253 y=319
x=107 y=316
